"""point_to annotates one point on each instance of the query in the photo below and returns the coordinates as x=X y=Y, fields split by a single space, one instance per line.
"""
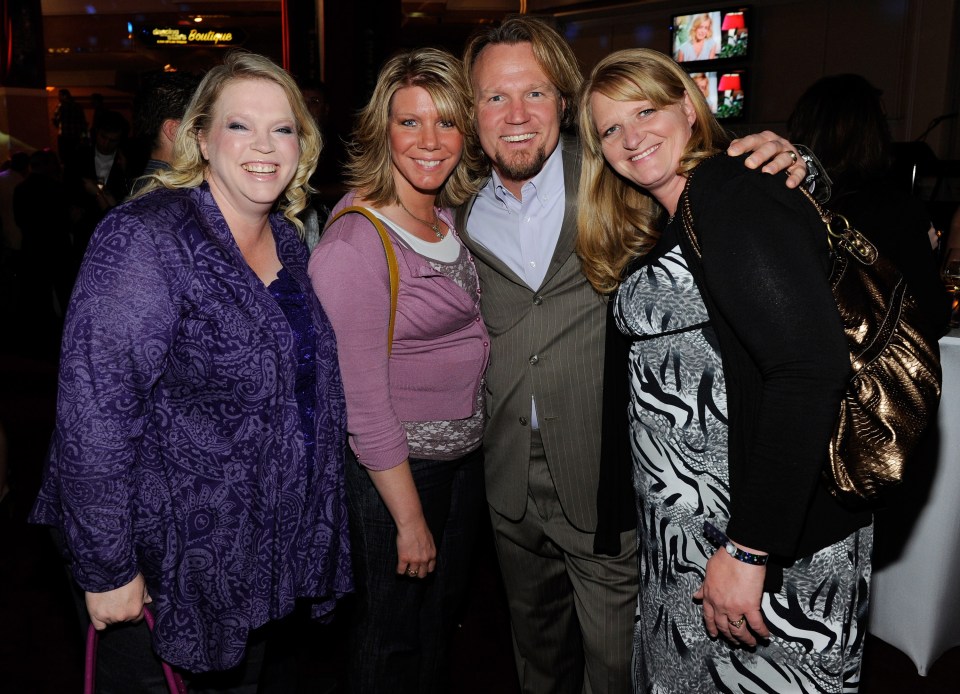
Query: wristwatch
x=817 y=181
x=720 y=539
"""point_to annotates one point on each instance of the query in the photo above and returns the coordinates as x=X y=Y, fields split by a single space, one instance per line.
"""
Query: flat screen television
x=731 y=95
x=707 y=82
x=720 y=34
x=724 y=91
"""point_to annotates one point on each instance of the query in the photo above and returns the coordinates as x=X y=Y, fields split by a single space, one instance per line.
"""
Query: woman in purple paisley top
x=197 y=462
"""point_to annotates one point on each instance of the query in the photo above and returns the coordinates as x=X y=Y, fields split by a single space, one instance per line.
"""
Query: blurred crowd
x=51 y=200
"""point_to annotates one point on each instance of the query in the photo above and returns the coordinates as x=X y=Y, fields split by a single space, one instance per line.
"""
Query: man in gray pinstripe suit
x=572 y=609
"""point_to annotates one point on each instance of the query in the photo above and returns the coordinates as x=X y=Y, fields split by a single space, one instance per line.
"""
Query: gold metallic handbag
x=895 y=388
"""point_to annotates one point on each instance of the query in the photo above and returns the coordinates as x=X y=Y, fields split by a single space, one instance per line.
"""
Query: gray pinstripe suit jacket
x=549 y=343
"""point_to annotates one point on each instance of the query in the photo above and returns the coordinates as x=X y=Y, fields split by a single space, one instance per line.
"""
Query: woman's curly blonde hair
x=188 y=168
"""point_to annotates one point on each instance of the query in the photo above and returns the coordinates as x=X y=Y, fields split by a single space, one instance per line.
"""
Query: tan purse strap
x=392 y=268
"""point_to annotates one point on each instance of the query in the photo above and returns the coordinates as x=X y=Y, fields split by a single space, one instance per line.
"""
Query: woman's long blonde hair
x=188 y=167
x=617 y=220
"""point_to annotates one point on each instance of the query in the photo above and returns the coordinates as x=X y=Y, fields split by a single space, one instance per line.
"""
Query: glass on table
x=951 y=280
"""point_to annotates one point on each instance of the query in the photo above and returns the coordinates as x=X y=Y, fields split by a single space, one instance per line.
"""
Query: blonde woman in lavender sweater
x=414 y=414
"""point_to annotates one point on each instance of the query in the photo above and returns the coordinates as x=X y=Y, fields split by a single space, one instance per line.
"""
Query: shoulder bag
x=895 y=387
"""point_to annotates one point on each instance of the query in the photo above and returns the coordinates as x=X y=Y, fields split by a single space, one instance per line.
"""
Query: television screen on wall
x=711 y=35
x=732 y=88
x=725 y=92
x=707 y=82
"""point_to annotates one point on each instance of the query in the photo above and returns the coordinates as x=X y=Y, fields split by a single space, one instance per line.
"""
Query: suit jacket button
x=523 y=421
x=534 y=359
x=537 y=300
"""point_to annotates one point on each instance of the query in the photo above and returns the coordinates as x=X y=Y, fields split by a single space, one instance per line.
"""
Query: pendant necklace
x=434 y=226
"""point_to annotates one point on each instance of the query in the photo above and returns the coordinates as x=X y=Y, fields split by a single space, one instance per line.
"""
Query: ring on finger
x=737 y=623
x=793 y=155
x=412 y=573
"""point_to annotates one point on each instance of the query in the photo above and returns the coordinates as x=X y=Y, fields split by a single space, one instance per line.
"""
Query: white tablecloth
x=915 y=601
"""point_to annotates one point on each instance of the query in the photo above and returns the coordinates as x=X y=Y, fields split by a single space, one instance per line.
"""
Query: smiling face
x=702 y=82
x=518 y=111
x=644 y=143
x=251 y=147
x=424 y=147
x=702 y=31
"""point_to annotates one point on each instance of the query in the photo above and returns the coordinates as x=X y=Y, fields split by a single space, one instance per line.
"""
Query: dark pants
x=572 y=611
x=403 y=626
x=126 y=664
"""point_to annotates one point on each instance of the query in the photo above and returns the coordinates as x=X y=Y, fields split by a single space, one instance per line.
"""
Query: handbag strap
x=840 y=233
x=174 y=681
x=392 y=268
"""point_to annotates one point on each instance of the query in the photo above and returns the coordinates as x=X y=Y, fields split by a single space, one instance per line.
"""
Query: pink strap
x=174 y=681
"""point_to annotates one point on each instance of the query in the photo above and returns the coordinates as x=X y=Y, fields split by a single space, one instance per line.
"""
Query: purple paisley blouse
x=179 y=449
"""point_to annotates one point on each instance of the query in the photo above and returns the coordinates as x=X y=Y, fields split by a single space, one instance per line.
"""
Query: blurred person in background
x=842 y=119
x=43 y=212
x=71 y=124
x=97 y=176
x=158 y=109
x=11 y=238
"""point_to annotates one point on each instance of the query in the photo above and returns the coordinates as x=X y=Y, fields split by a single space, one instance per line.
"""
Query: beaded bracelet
x=720 y=539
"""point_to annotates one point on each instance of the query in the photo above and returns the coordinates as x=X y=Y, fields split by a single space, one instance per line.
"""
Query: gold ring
x=793 y=155
x=411 y=573
x=738 y=623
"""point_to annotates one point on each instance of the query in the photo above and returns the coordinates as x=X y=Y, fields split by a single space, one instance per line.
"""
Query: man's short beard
x=523 y=170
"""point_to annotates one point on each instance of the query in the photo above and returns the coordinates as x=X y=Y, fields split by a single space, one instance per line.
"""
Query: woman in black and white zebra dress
x=737 y=366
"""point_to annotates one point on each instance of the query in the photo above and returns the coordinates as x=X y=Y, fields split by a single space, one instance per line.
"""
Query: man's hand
x=773 y=153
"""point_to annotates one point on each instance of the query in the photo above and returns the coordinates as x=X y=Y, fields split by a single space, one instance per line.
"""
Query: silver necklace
x=434 y=226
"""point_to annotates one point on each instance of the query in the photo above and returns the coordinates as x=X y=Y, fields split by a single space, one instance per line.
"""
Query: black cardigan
x=785 y=359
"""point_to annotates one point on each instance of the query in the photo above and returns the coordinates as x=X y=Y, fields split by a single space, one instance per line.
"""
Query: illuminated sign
x=165 y=36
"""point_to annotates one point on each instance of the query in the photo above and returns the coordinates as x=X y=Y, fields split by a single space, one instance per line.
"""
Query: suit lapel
x=568 y=231
x=566 y=243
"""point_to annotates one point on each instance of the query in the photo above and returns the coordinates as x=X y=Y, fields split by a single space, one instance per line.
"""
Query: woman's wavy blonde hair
x=369 y=168
x=697 y=21
x=617 y=220
x=188 y=168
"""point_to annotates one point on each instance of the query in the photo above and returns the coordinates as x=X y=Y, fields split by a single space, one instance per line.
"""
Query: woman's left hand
x=732 y=590
x=773 y=153
x=123 y=604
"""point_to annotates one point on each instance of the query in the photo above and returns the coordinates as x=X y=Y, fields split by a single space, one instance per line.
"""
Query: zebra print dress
x=679 y=445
